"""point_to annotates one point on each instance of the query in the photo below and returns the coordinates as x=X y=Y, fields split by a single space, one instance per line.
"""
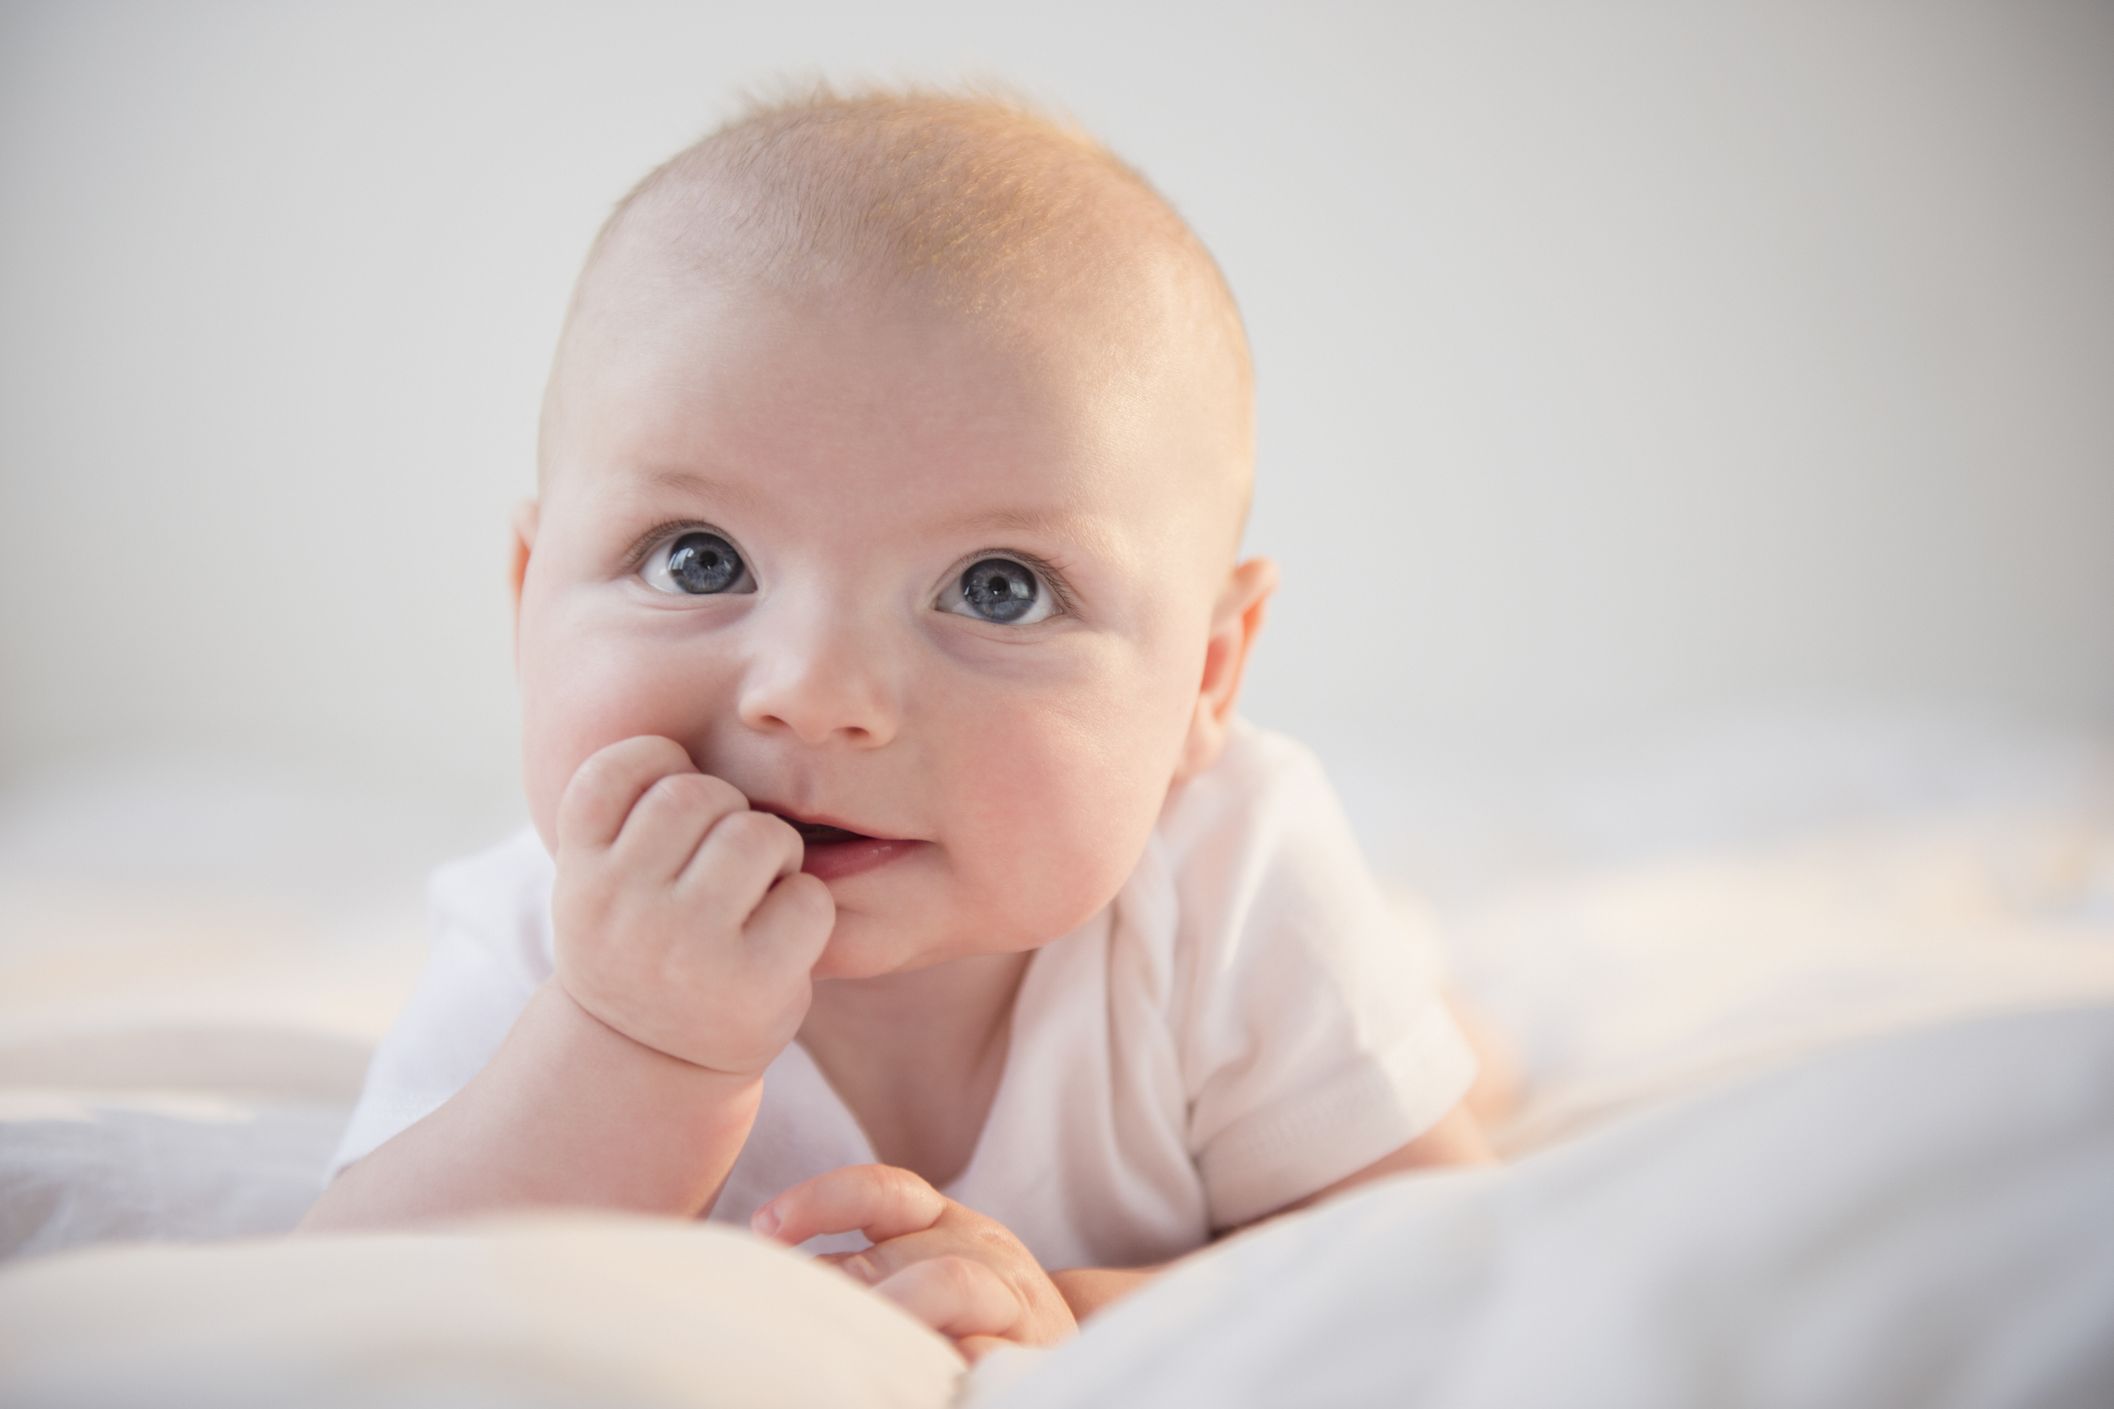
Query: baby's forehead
x=992 y=218
x=919 y=408
x=792 y=469
x=926 y=415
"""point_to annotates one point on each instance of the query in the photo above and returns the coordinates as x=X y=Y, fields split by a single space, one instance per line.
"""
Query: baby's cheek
x=1063 y=831
x=571 y=714
x=548 y=761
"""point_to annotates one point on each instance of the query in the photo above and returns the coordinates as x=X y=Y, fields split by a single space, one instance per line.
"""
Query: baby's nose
x=822 y=680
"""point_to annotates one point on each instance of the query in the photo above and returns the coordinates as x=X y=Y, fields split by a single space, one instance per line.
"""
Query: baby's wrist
x=612 y=1122
x=600 y=1032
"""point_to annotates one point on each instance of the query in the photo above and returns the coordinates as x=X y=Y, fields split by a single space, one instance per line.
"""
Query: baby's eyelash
x=1052 y=571
x=646 y=542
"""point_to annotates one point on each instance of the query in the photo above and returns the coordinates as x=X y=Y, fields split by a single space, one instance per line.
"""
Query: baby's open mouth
x=836 y=853
x=815 y=832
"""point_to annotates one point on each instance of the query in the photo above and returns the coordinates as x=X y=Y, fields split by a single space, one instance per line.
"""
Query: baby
x=902 y=882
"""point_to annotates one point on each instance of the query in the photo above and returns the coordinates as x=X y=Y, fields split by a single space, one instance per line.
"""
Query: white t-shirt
x=1247 y=1021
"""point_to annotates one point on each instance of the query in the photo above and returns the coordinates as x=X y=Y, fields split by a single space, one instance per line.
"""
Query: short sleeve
x=1314 y=1036
x=488 y=953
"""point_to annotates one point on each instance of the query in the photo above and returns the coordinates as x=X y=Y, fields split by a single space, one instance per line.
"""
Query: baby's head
x=895 y=459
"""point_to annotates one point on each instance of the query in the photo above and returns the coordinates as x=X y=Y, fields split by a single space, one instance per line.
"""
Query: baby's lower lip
x=832 y=860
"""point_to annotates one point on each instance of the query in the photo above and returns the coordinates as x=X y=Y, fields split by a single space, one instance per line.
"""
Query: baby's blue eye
x=698 y=564
x=1002 y=591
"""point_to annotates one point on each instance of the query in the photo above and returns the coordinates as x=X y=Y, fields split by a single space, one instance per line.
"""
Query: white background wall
x=1622 y=369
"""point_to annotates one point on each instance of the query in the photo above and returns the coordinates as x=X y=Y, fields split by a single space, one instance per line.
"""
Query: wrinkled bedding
x=1904 y=1220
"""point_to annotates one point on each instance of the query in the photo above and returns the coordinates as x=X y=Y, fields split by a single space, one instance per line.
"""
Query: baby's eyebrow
x=1016 y=521
x=750 y=500
x=739 y=496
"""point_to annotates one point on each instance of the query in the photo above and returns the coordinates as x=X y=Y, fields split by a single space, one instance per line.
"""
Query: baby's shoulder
x=1264 y=783
x=1250 y=853
x=1255 y=891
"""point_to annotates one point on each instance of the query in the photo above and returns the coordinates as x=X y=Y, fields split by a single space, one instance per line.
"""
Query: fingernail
x=765 y=1221
x=859 y=1267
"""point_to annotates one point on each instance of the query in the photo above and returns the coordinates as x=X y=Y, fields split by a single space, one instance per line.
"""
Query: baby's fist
x=681 y=917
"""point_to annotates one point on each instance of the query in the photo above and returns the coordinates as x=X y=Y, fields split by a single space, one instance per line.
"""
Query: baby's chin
x=860 y=947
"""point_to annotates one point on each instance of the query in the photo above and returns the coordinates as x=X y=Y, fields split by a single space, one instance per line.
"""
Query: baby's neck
x=919 y=1024
x=919 y=1065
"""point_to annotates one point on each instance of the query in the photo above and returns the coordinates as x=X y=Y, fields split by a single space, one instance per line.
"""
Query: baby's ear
x=524 y=539
x=1235 y=620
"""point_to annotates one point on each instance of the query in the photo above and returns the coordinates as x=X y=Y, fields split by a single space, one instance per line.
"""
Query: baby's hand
x=682 y=918
x=962 y=1274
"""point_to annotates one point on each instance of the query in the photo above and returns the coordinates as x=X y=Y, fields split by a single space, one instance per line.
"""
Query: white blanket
x=1921 y=1219
x=1906 y=1221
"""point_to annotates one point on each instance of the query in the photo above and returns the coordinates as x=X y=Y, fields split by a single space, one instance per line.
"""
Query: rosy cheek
x=1052 y=830
x=579 y=703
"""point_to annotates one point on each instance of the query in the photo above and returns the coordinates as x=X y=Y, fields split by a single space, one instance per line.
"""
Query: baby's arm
x=684 y=935
x=569 y=1111
x=1457 y=1138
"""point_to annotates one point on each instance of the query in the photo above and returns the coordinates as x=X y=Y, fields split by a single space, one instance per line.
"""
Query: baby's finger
x=956 y=1296
x=737 y=861
x=883 y=1260
x=602 y=790
x=879 y=1200
x=975 y=1348
x=672 y=819
x=794 y=920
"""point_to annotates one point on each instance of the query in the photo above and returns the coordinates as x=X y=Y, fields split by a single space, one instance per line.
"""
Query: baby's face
x=865 y=562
